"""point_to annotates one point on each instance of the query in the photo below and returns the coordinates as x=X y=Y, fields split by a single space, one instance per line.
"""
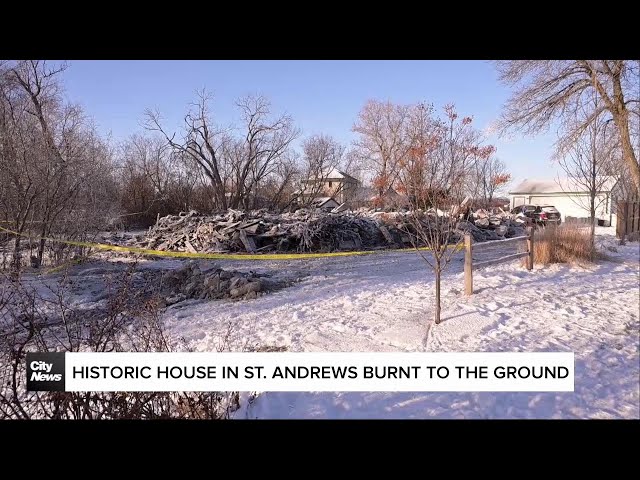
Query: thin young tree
x=436 y=176
x=550 y=90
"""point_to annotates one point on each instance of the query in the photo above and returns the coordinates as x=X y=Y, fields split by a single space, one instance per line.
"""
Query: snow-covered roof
x=336 y=174
x=560 y=185
x=320 y=201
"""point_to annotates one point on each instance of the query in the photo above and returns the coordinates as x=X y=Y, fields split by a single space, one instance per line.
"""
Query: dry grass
x=563 y=244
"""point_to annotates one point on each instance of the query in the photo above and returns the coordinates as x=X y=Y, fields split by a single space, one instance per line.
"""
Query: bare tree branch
x=550 y=90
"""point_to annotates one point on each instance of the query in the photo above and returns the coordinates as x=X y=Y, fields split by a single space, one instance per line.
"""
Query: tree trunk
x=220 y=198
x=592 y=234
x=43 y=233
x=627 y=150
x=620 y=116
x=17 y=257
x=437 y=272
x=41 y=250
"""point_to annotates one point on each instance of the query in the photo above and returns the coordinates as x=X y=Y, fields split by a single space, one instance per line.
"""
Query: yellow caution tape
x=214 y=256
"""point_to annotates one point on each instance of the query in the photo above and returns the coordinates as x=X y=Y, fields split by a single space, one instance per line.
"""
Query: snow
x=384 y=302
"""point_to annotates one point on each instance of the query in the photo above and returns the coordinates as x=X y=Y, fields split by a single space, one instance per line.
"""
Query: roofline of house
x=327 y=179
x=344 y=175
x=571 y=192
x=324 y=179
x=616 y=179
x=328 y=199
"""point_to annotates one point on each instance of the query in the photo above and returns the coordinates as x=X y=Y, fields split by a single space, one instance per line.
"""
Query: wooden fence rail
x=468 y=256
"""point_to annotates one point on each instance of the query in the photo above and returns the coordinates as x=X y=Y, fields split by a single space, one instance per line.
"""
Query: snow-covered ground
x=384 y=302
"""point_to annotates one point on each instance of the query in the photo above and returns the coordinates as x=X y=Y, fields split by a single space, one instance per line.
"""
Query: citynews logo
x=45 y=372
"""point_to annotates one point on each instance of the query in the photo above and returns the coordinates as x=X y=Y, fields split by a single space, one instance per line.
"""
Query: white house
x=335 y=183
x=569 y=197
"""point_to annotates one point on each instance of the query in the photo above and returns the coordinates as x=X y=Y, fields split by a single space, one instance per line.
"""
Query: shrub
x=128 y=321
x=563 y=244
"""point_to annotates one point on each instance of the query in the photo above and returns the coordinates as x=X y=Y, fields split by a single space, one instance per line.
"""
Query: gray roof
x=320 y=201
x=559 y=185
x=336 y=174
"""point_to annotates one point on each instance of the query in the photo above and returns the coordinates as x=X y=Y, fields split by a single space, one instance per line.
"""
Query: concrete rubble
x=190 y=282
x=486 y=225
x=263 y=232
x=312 y=231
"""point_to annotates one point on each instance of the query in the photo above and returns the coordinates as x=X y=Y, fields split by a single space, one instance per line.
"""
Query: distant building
x=337 y=184
x=569 y=197
x=325 y=203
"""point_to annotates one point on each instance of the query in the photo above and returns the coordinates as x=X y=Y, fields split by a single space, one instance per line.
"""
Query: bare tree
x=558 y=89
x=187 y=187
x=279 y=187
x=138 y=195
x=321 y=155
x=491 y=177
x=153 y=180
x=202 y=144
x=589 y=165
x=353 y=164
x=38 y=82
x=264 y=144
x=130 y=319
x=20 y=147
x=158 y=180
x=51 y=154
x=235 y=166
x=436 y=176
x=152 y=158
x=383 y=142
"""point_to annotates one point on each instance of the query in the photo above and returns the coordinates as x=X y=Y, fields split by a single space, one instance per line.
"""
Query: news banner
x=300 y=372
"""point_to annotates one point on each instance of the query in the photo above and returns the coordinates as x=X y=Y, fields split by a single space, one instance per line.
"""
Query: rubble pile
x=311 y=231
x=214 y=284
x=485 y=226
x=260 y=231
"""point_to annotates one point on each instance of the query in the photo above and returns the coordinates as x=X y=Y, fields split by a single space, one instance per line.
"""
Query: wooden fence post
x=468 y=264
x=530 y=231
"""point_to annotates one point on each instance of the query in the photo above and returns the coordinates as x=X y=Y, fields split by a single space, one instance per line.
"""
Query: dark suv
x=548 y=214
x=539 y=214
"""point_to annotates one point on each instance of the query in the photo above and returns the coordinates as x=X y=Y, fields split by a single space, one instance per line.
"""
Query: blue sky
x=322 y=96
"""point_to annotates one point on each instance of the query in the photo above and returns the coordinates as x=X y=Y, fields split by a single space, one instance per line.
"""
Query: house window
x=330 y=184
